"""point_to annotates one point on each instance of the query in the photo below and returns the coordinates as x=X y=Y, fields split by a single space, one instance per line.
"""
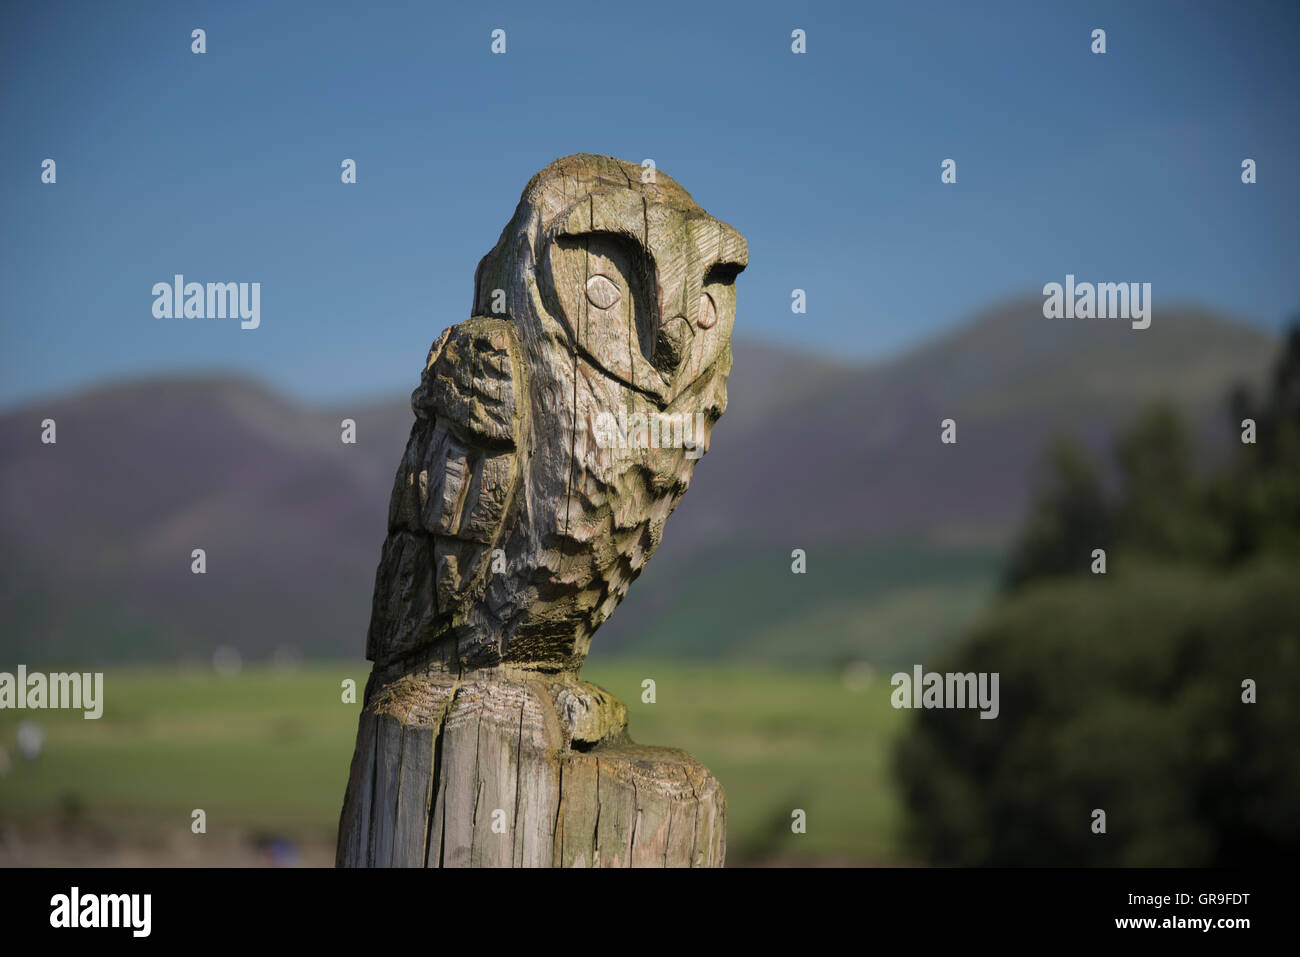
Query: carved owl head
x=624 y=266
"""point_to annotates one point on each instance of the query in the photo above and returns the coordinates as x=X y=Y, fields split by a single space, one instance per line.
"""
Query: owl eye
x=601 y=292
x=708 y=312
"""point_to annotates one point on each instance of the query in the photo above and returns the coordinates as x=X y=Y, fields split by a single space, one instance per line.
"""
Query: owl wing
x=454 y=487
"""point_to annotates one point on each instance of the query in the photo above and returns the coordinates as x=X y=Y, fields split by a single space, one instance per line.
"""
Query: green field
x=889 y=603
x=266 y=754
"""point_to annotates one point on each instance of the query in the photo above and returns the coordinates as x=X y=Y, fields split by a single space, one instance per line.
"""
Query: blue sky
x=225 y=166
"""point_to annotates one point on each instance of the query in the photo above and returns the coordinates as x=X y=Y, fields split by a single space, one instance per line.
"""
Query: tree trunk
x=502 y=769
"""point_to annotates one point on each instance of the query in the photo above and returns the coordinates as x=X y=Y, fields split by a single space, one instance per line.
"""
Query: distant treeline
x=1148 y=642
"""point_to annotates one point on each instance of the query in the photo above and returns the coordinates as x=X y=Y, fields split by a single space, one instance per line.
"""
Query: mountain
x=860 y=456
x=903 y=534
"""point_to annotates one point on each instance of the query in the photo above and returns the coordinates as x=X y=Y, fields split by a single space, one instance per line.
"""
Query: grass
x=885 y=603
x=267 y=752
x=777 y=741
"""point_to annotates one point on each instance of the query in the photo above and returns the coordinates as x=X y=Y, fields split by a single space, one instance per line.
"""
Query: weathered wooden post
x=554 y=433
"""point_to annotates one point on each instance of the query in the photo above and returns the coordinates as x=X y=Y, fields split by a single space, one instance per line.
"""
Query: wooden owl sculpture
x=558 y=428
x=555 y=431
